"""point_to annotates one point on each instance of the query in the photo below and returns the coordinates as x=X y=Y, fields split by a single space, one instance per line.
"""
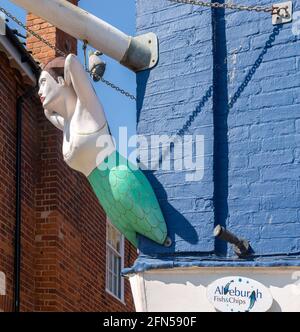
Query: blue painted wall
x=236 y=78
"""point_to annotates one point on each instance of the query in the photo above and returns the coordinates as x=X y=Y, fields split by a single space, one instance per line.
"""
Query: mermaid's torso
x=83 y=152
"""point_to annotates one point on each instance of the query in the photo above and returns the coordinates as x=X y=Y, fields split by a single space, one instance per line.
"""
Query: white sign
x=239 y=294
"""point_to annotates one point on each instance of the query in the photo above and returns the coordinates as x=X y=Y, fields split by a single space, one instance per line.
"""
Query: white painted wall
x=184 y=290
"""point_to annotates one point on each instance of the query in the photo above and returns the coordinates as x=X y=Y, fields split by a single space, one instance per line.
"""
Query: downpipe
x=18 y=222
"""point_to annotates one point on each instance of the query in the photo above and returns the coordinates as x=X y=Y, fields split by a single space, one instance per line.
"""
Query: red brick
x=63 y=225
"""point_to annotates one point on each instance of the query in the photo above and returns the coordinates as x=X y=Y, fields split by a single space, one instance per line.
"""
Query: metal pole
x=136 y=53
x=241 y=246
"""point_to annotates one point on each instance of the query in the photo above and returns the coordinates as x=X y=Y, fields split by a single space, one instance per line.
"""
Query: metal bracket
x=142 y=52
x=240 y=246
x=150 y=40
x=282 y=13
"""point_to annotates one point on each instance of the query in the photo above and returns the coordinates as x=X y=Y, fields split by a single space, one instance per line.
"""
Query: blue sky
x=120 y=111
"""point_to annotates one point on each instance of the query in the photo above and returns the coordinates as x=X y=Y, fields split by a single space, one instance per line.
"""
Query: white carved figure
x=71 y=104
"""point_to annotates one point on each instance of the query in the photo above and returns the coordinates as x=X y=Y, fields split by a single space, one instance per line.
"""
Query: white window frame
x=121 y=255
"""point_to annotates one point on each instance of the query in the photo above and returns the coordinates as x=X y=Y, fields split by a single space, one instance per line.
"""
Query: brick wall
x=263 y=172
x=168 y=96
x=251 y=126
x=8 y=94
x=56 y=37
x=63 y=225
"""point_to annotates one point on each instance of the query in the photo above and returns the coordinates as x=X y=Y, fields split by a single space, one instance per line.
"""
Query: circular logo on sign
x=239 y=294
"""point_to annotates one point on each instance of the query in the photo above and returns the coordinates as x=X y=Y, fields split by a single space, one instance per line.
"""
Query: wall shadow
x=222 y=106
x=141 y=83
x=253 y=69
x=220 y=120
x=177 y=224
x=207 y=95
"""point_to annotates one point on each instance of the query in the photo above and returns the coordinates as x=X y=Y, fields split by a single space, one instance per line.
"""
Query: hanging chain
x=113 y=86
x=100 y=78
x=273 y=10
x=84 y=48
x=61 y=53
x=227 y=6
x=33 y=33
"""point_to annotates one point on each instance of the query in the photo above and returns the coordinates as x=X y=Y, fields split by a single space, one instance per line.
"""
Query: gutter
x=26 y=58
x=19 y=57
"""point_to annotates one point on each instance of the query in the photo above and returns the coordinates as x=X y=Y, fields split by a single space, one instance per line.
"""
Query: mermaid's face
x=52 y=92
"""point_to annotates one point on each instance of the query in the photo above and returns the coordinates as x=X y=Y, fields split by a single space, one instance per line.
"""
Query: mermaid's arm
x=77 y=76
x=89 y=116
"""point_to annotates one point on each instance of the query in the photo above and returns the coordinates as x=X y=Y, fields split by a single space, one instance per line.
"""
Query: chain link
x=61 y=53
x=33 y=33
x=225 y=5
x=190 y=2
x=113 y=86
